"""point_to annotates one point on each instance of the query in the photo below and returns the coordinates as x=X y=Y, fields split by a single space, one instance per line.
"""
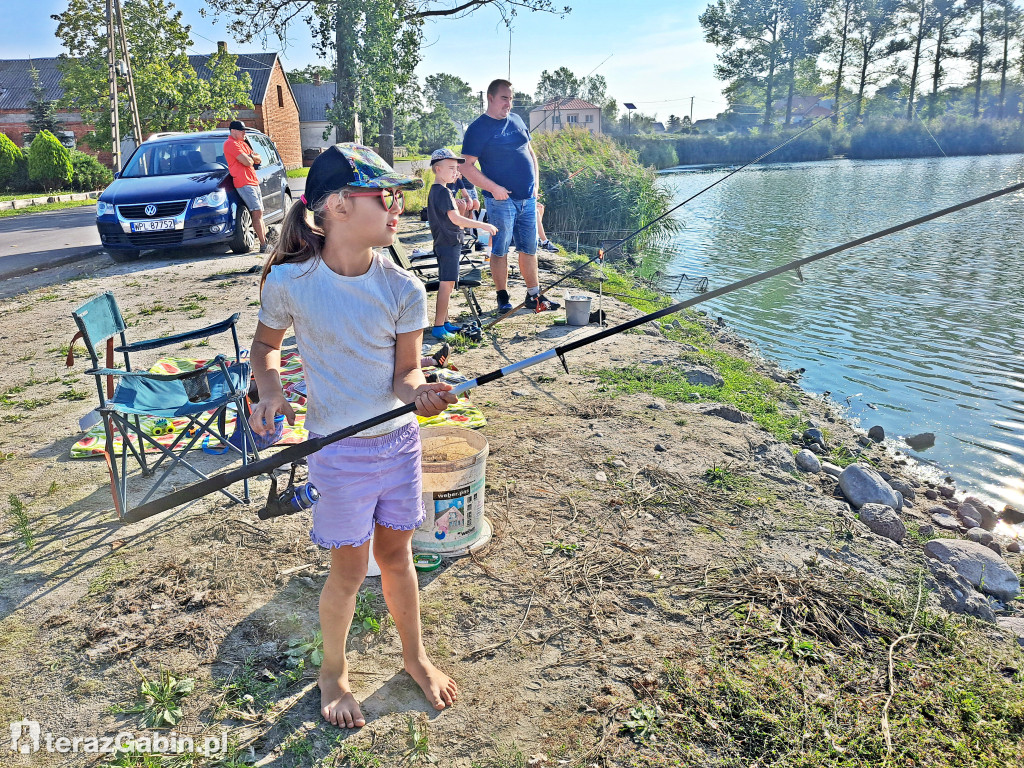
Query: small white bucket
x=454 y=463
x=577 y=310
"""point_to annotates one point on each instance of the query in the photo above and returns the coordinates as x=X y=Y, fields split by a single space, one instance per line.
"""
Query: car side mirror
x=117 y=174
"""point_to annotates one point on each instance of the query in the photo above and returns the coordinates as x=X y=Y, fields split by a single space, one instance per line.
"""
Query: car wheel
x=245 y=236
x=121 y=255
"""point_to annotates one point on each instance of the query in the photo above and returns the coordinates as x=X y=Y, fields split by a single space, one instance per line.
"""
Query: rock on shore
x=982 y=567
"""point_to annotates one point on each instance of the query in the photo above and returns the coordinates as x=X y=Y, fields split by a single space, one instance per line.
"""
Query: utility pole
x=115 y=129
x=132 y=101
x=691 y=110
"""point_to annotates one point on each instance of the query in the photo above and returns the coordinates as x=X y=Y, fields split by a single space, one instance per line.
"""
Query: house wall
x=312 y=134
x=14 y=123
x=280 y=117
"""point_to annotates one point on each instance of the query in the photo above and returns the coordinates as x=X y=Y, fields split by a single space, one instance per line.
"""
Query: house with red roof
x=559 y=114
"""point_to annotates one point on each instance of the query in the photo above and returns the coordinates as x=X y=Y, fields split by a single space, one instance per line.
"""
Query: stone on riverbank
x=831 y=469
x=920 y=442
x=815 y=435
x=988 y=515
x=862 y=485
x=955 y=593
x=904 y=488
x=775 y=455
x=1014 y=625
x=724 y=411
x=876 y=433
x=703 y=377
x=883 y=521
x=1011 y=515
x=980 y=535
x=982 y=567
x=808 y=462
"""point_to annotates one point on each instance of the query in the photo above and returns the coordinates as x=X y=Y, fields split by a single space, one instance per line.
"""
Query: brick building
x=275 y=111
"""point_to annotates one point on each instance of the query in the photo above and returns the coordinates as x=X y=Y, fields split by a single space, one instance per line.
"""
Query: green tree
x=1008 y=24
x=455 y=94
x=44 y=117
x=563 y=83
x=977 y=51
x=308 y=74
x=947 y=20
x=876 y=23
x=49 y=162
x=170 y=96
x=351 y=28
x=438 y=129
x=673 y=124
x=751 y=36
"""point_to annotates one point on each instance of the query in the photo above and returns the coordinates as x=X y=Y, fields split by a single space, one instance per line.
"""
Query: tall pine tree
x=44 y=115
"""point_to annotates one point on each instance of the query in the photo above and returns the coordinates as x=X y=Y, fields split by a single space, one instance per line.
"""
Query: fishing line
x=294 y=453
x=601 y=254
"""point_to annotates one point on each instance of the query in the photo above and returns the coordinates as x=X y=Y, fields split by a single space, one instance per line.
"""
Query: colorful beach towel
x=166 y=431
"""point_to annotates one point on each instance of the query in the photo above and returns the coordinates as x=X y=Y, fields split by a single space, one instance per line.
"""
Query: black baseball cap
x=352 y=165
x=236 y=125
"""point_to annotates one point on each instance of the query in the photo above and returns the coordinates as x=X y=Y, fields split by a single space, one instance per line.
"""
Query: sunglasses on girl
x=389 y=198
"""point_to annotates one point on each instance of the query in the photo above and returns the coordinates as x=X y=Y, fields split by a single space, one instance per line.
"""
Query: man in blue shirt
x=509 y=178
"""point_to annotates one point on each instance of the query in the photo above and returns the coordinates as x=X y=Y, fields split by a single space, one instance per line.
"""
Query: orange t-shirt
x=242 y=175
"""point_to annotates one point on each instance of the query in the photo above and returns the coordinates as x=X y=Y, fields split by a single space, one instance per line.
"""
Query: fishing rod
x=295 y=499
x=636 y=233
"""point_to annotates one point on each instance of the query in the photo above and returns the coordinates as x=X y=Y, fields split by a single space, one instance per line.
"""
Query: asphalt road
x=31 y=242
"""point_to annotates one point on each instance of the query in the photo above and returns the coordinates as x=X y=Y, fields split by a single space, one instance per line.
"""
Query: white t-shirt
x=346 y=328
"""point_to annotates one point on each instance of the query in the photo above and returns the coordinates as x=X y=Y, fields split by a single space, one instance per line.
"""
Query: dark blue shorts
x=448 y=262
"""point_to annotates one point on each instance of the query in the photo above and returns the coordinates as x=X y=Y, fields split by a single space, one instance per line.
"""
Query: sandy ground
x=550 y=629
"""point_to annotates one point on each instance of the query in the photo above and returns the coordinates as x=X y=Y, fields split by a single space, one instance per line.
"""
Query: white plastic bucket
x=454 y=463
x=577 y=310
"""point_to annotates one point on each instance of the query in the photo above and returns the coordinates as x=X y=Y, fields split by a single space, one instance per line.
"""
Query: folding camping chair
x=468 y=279
x=192 y=394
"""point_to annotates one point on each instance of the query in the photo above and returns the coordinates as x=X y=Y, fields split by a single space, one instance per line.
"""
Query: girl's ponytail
x=300 y=241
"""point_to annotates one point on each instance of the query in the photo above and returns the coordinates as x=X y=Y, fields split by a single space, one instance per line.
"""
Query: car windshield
x=183 y=156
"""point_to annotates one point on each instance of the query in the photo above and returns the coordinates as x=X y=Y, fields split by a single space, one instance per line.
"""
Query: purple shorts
x=363 y=481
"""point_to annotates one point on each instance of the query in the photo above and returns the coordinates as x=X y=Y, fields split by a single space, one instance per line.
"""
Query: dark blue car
x=175 y=190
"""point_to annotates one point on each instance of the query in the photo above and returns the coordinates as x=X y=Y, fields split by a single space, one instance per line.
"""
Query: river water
x=919 y=332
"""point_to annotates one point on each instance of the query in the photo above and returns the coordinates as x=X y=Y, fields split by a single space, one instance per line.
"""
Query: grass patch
x=416 y=199
x=504 y=756
x=30 y=195
x=47 y=207
x=298 y=173
x=743 y=387
x=253 y=689
x=810 y=671
x=353 y=756
x=19 y=516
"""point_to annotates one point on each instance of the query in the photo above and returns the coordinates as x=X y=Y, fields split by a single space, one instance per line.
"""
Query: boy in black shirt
x=446 y=225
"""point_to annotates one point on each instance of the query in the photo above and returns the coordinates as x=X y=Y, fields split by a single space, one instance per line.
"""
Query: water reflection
x=926 y=325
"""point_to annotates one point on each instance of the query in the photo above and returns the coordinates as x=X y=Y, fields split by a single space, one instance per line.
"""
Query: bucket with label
x=454 y=461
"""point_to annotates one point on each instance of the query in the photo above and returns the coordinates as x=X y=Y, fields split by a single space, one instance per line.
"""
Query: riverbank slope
x=664 y=585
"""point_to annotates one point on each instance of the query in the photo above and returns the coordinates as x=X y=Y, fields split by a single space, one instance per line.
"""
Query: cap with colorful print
x=352 y=165
x=444 y=154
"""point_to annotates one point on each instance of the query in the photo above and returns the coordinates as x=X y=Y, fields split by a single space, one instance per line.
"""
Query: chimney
x=222 y=47
x=317 y=79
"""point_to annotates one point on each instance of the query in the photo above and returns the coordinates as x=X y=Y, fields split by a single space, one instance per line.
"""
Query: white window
x=588 y=118
x=573 y=119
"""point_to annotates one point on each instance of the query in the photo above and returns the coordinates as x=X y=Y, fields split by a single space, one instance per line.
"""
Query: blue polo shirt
x=503 y=147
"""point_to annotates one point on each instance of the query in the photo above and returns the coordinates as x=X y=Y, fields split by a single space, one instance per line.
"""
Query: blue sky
x=658 y=56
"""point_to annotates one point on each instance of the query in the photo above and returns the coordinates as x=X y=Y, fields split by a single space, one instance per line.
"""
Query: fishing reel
x=294 y=498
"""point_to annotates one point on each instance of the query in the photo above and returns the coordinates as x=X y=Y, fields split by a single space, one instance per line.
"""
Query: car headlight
x=104 y=209
x=214 y=199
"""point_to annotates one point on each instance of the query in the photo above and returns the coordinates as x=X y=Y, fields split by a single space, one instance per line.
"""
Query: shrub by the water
x=49 y=162
x=817 y=144
x=12 y=163
x=951 y=136
x=88 y=173
x=612 y=196
x=658 y=153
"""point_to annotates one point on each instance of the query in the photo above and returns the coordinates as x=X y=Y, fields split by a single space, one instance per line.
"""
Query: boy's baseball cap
x=236 y=125
x=444 y=154
x=352 y=165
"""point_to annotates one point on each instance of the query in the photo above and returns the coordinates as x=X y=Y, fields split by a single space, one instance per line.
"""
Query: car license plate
x=152 y=226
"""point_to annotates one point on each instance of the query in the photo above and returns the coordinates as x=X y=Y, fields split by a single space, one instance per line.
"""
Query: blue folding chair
x=193 y=394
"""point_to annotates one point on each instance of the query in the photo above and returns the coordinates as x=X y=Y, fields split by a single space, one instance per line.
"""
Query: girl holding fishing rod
x=358 y=322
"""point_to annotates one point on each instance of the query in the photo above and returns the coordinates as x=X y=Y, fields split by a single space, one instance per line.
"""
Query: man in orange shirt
x=242 y=163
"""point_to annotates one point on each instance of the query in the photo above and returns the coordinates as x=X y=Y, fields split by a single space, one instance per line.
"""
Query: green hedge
x=13 y=163
x=88 y=174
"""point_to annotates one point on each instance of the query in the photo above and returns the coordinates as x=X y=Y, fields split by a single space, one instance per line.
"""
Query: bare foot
x=439 y=689
x=337 y=704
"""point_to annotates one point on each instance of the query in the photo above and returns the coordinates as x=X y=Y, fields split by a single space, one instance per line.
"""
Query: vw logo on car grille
x=151 y=210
